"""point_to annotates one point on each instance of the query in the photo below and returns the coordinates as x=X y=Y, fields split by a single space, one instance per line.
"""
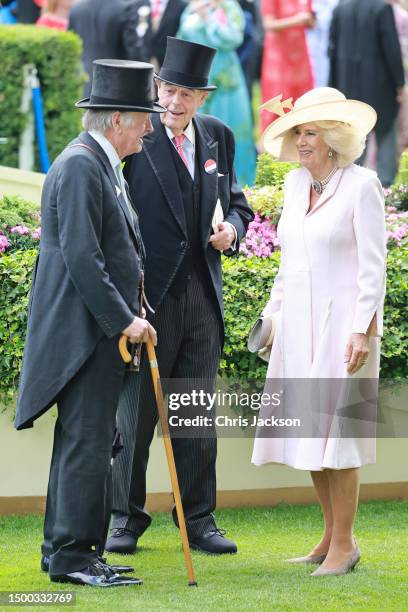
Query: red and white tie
x=178 y=141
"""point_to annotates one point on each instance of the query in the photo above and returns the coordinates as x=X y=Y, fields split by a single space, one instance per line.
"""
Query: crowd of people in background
x=288 y=46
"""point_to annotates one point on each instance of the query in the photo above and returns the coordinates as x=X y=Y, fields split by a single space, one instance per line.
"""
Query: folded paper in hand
x=218 y=216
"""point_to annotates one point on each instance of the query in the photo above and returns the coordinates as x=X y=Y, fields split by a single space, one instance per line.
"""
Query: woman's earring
x=330 y=152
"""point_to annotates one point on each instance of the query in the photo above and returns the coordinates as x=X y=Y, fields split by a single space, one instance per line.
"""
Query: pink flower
x=4 y=243
x=36 y=234
x=261 y=239
x=20 y=229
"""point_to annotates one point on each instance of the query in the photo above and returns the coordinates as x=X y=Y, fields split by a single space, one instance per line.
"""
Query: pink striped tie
x=178 y=141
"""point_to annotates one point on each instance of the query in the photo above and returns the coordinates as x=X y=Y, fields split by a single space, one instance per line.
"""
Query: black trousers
x=188 y=329
x=79 y=487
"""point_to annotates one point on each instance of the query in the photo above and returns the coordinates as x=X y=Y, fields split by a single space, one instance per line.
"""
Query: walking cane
x=151 y=353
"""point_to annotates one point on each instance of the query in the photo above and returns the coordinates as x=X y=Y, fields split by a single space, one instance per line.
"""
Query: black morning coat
x=365 y=57
x=107 y=29
x=86 y=282
x=151 y=43
x=158 y=202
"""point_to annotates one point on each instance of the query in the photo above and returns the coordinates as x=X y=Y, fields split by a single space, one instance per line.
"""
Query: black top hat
x=122 y=85
x=187 y=64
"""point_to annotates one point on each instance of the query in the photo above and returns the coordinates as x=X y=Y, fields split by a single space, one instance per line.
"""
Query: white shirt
x=107 y=147
x=116 y=164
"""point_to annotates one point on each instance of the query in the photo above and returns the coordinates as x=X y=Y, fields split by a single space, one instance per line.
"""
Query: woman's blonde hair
x=345 y=140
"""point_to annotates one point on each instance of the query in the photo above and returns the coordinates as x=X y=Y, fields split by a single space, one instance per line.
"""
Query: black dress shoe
x=213 y=543
x=116 y=569
x=122 y=541
x=98 y=575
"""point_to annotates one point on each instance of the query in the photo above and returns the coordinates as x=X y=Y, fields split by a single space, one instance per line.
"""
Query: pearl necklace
x=319 y=186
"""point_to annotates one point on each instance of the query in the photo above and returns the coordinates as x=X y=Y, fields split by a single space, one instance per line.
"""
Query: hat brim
x=155 y=108
x=358 y=114
x=207 y=88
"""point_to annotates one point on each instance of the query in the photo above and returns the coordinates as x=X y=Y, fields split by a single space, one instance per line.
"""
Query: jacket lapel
x=157 y=149
x=85 y=138
x=206 y=149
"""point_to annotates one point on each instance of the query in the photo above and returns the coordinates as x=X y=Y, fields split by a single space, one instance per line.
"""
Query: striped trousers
x=188 y=330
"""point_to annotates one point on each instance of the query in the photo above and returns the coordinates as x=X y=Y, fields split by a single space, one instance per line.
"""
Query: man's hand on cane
x=140 y=330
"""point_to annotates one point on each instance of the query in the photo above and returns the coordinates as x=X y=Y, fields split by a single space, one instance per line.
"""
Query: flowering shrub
x=19 y=224
x=19 y=238
x=397 y=197
x=266 y=200
x=15 y=210
x=397 y=226
x=261 y=239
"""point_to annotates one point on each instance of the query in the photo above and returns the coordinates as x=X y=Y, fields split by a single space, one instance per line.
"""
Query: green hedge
x=247 y=284
x=402 y=177
x=15 y=283
x=57 y=58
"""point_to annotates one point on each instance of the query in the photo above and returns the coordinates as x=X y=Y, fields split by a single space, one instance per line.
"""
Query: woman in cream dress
x=329 y=292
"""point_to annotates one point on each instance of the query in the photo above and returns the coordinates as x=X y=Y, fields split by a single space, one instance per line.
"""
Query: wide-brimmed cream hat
x=319 y=104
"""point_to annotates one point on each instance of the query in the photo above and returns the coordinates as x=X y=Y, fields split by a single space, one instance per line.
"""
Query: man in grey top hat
x=84 y=296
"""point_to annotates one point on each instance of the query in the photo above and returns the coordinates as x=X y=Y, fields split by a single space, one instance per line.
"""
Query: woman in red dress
x=286 y=67
x=54 y=14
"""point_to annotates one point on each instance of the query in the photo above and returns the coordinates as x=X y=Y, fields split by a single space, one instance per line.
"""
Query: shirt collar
x=189 y=133
x=107 y=147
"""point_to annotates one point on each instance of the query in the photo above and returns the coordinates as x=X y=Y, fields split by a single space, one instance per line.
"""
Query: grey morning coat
x=87 y=276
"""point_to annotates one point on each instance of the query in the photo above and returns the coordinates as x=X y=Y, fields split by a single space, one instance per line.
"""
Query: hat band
x=112 y=102
x=189 y=80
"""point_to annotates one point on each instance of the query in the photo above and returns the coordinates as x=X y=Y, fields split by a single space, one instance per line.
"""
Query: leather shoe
x=98 y=575
x=213 y=543
x=117 y=569
x=318 y=559
x=122 y=541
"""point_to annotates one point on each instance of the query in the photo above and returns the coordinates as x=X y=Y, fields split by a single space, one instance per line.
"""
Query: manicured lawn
x=257 y=578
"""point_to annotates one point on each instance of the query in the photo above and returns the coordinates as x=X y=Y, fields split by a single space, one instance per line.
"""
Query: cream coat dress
x=330 y=284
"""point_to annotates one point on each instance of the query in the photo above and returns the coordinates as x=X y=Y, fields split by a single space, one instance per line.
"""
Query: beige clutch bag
x=261 y=336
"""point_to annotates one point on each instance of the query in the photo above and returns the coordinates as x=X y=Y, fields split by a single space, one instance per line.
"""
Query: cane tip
x=193 y=583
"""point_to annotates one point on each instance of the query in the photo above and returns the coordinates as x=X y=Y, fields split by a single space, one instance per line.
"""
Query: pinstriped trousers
x=188 y=330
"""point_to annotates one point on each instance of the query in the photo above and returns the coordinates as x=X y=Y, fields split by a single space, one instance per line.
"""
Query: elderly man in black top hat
x=84 y=296
x=188 y=175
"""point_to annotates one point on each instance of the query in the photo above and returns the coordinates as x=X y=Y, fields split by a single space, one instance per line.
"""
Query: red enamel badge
x=210 y=166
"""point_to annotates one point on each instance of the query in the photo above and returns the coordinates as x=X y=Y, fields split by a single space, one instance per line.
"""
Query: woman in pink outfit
x=328 y=302
x=55 y=14
x=286 y=66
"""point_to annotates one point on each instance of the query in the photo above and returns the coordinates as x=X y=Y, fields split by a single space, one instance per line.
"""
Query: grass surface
x=257 y=578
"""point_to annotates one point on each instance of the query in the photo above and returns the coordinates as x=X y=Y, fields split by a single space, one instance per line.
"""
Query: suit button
x=183 y=244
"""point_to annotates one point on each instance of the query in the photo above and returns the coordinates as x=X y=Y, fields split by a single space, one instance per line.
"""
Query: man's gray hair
x=101 y=120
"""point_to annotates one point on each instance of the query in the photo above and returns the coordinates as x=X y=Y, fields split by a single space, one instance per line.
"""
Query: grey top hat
x=122 y=85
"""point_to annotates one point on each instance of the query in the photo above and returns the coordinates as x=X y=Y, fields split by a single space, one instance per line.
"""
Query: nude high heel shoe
x=309 y=559
x=342 y=569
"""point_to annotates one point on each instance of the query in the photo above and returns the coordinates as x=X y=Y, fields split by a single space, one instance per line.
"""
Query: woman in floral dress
x=220 y=24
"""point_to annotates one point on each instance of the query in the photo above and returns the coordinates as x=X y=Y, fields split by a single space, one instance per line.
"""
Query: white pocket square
x=219 y=174
x=218 y=216
x=118 y=191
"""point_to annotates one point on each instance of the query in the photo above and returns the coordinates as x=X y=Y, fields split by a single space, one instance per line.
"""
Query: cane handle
x=123 y=350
